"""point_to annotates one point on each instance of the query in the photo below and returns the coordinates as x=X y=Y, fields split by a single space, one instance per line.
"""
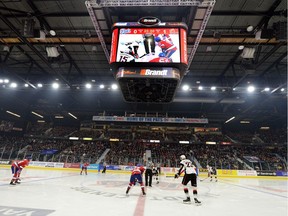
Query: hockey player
x=136 y=176
x=84 y=168
x=212 y=172
x=190 y=175
x=16 y=169
x=166 y=45
x=155 y=174
x=130 y=52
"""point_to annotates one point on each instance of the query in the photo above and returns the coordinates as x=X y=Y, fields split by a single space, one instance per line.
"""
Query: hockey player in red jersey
x=136 y=176
x=84 y=168
x=16 y=169
x=190 y=175
x=168 y=48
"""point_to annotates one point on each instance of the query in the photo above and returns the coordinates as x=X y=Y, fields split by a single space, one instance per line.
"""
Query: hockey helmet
x=157 y=39
x=161 y=54
x=182 y=157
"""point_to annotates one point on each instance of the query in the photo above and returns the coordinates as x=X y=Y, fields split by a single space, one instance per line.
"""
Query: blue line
x=255 y=190
x=45 y=179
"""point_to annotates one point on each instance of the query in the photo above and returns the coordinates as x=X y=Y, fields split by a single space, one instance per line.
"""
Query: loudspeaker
x=28 y=27
x=280 y=29
x=264 y=34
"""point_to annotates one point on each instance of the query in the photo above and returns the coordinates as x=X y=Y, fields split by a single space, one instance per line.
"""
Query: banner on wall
x=150 y=119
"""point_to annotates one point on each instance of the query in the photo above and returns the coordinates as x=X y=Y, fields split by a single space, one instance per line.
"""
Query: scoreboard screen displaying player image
x=163 y=44
x=148 y=45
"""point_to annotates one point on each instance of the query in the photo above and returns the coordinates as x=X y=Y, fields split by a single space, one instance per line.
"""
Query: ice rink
x=66 y=193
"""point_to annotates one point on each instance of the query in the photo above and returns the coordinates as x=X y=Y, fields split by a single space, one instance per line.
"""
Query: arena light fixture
x=266 y=89
x=37 y=114
x=154 y=141
x=185 y=87
x=52 y=32
x=183 y=142
x=213 y=88
x=282 y=89
x=88 y=86
x=73 y=116
x=200 y=88
x=114 y=87
x=230 y=119
x=55 y=85
x=12 y=113
x=59 y=117
x=6 y=81
x=250 y=28
x=13 y=85
x=250 y=89
x=39 y=85
x=244 y=122
x=26 y=85
x=73 y=138
x=114 y=140
x=241 y=47
x=102 y=86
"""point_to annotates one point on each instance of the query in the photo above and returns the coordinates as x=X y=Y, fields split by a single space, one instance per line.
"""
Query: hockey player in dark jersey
x=190 y=175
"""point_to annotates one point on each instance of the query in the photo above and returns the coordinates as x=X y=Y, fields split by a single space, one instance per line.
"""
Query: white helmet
x=182 y=157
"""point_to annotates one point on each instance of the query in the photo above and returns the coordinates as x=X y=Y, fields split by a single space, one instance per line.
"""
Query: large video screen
x=148 y=45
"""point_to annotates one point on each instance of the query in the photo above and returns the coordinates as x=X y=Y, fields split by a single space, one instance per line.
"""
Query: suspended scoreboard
x=149 y=59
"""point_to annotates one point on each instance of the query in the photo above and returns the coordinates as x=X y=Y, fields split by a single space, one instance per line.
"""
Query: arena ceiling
x=213 y=51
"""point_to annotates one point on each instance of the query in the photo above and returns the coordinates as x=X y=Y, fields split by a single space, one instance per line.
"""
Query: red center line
x=140 y=206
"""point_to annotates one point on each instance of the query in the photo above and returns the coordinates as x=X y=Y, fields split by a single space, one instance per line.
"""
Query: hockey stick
x=204 y=179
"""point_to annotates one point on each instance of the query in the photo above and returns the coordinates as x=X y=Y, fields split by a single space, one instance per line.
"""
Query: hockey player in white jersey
x=190 y=175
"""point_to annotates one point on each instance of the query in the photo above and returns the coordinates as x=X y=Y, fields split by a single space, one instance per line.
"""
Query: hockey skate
x=144 y=193
x=197 y=202
x=12 y=183
x=187 y=201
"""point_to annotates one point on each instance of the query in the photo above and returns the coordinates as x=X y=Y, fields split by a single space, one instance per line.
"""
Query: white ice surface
x=68 y=193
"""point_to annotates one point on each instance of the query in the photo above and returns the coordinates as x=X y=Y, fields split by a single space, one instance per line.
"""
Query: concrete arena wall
x=221 y=173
